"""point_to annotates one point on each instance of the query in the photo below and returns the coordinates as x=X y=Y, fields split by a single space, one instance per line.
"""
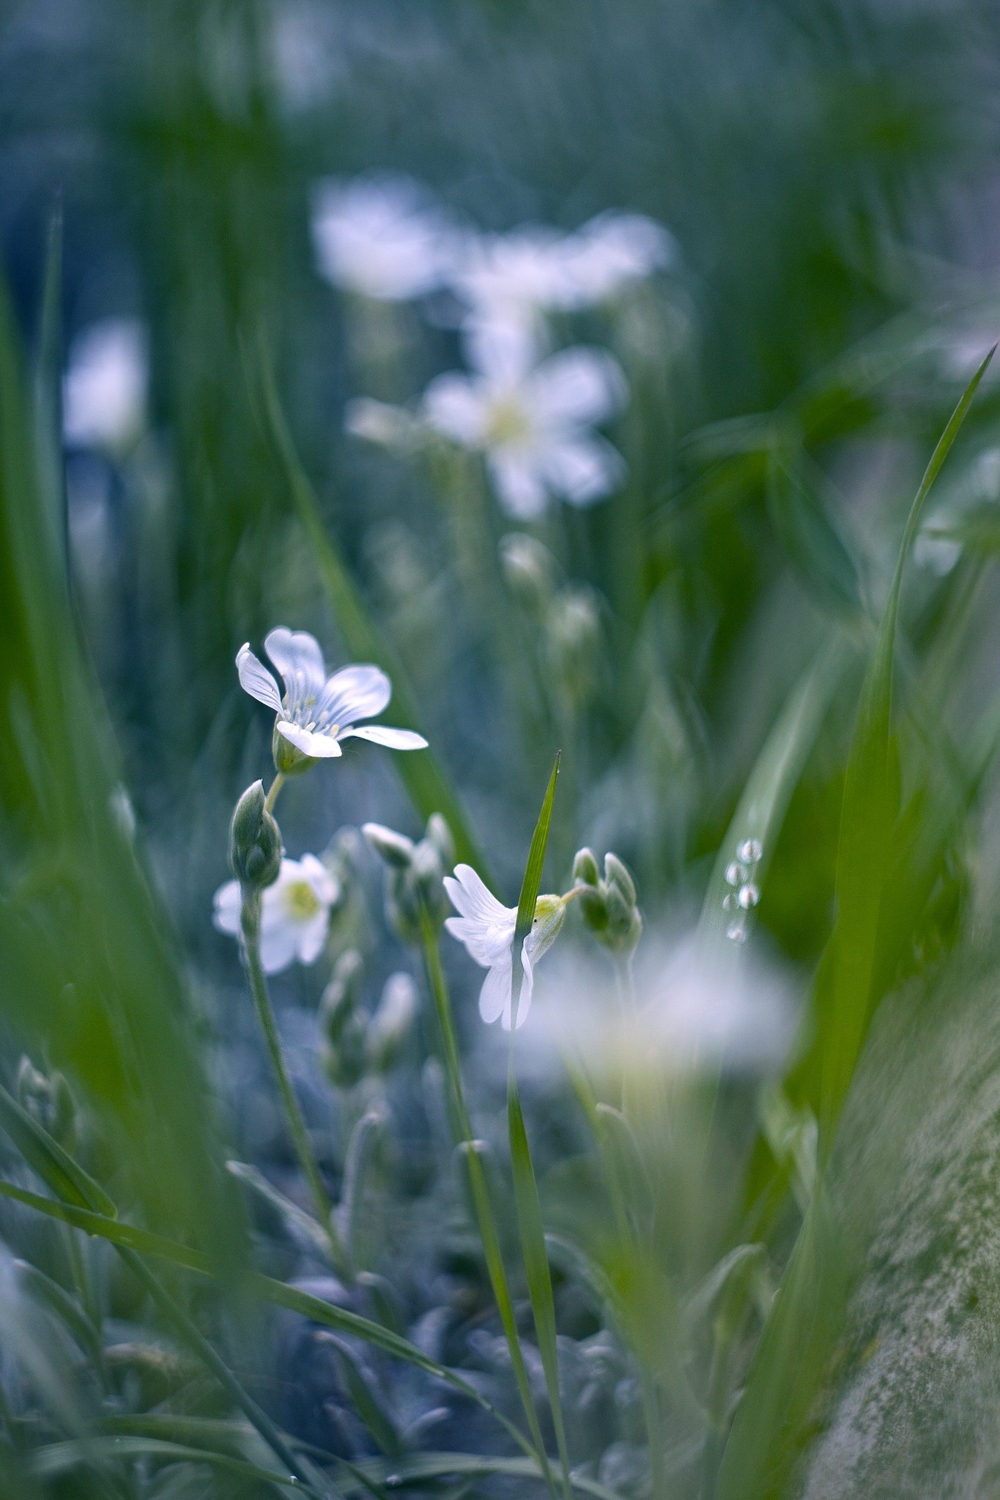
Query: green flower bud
x=615 y=873
x=395 y=848
x=343 y=1023
x=49 y=1101
x=585 y=869
x=528 y=570
x=392 y=1023
x=254 y=841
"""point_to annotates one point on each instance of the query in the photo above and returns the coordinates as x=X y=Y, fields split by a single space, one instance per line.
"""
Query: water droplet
x=749 y=851
x=748 y=896
x=393 y=1481
x=735 y=874
x=736 y=933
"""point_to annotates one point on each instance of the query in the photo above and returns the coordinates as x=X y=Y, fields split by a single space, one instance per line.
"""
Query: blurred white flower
x=379 y=236
x=512 y=278
x=691 y=1014
x=533 y=421
x=317 y=712
x=104 y=389
x=294 y=916
x=614 y=249
x=486 y=927
x=382 y=423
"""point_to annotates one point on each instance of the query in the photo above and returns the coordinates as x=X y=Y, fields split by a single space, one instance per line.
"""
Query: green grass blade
x=530 y=887
x=415 y=1468
x=529 y=1212
x=425 y=782
x=47 y=1158
x=866 y=824
x=536 y=1265
x=765 y=798
x=56 y=1460
x=145 y=1242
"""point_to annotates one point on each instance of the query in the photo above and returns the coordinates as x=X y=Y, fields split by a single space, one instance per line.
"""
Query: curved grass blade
x=866 y=823
x=529 y=1212
x=428 y=787
x=417 y=1467
x=144 y=1242
x=56 y=1460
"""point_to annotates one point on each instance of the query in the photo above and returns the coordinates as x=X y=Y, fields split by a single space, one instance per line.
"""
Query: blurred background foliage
x=827 y=170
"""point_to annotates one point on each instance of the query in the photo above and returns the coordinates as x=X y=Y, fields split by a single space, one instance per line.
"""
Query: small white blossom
x=512 y=278
x=380 y=237
x=294 y=914
x=534 y=422
x=104 y=390
x=317 y=712
x=486 y=927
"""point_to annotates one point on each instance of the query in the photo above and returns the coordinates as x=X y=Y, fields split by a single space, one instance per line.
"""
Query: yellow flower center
x=507 y=422
x=301 y=901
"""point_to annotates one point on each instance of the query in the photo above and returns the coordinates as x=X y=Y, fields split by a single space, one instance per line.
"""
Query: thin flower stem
x=480 y=1191
x=275 y=787
x=296 y=1124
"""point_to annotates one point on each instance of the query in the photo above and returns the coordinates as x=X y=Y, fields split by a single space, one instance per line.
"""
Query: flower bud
x=615 y=873
x=395 y=848
x=392 y=1023
x=608 y=906
x=528 y=569
x=343 y=1024
x=440 y=836
x=254 y=841
x=49 y=1101
x=288 y=758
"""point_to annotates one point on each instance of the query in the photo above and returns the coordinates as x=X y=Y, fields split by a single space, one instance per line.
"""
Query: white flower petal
x=527 y=988
x=381 y=734
x=500 y=348
x=578 y=385
x=518 y=483
x=312 y=935
x=456 y=406
x=380 y=236
x=323 y=885
x=583 y=468
x=226 y=908
x=279 y=940
x=494 y=997
x=471 y=897
x=298 y=658
x=318 y=746
x=256 y=680
x=357 y=692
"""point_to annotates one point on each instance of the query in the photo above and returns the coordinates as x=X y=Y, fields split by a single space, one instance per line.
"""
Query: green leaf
x=866 y=824
x=530 y=887
x=765 y=798
x=56 y=1459
x=47 y=1158
x=295 y=1217
x=429 y=789
x=415 y=1467
x=811 y=539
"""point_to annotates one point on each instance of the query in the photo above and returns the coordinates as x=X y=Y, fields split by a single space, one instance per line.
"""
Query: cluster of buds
x=608 y=905
x=569 y=616
x=49 y=1101
x=414 y=874
x=356 y=1043
x=254 y=842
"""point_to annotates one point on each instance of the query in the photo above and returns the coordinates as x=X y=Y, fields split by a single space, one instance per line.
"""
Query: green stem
x=272 y=796
x=250 y=918
x=479 y=1188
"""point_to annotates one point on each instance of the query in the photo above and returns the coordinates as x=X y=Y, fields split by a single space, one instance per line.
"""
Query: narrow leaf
x=530 y=886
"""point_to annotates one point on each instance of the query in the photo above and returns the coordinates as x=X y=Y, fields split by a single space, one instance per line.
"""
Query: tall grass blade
x=866 y=825
x=529 y=1212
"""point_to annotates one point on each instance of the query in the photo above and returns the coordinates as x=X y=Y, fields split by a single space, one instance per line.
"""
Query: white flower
x=294 y=915
x=317 y=712
x=532 y=421
x=487 y=929
x=104 y=390
x=512 y=278
x=379 y=236
x=613 y=249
